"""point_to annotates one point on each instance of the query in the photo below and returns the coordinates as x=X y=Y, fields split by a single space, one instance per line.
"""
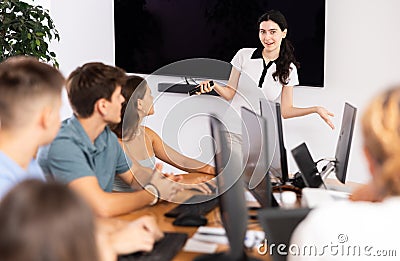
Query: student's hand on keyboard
x=173 y=177
x=138 y=235
x=150 y=224
x=202 y=184
x=166 y=186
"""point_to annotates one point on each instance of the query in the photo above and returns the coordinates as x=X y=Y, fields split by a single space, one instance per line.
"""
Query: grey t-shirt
x=72 y=155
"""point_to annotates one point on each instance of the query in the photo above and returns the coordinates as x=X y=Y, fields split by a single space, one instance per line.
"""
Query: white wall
x=362 y=52
x=44 y=3
x=87 y=32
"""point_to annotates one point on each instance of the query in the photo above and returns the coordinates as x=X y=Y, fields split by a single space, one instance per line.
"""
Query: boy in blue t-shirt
x=30 y=100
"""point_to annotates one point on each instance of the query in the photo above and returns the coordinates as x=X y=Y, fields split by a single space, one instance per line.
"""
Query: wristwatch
x=153 y=190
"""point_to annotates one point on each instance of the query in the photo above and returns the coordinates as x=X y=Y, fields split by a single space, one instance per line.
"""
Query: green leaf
x=26 y=29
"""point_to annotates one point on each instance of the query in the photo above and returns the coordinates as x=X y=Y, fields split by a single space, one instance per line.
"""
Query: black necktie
x=264 y=72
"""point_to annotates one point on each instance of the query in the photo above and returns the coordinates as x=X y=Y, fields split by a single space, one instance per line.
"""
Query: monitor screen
x=150 y=34
x=272 y=113
x=344 y=142
x=279 y=225
x=232 y=201
x=307 y=166
x=256 y=157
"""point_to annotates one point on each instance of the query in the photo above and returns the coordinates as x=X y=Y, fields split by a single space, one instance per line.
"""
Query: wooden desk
x=166 y=225
x=349 y=186
x=213 y=217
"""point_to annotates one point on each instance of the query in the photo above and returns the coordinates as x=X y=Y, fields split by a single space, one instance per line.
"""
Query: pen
x=211 y=234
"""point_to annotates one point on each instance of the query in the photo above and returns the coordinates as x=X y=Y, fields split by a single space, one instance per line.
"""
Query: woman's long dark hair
x=286 y=53
x=134 y=88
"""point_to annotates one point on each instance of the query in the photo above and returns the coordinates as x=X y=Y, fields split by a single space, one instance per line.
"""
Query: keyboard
x=207 y=203
x=164 y=250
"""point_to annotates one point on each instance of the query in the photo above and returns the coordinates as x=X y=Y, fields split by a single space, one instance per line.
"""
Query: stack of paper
x=205 y=239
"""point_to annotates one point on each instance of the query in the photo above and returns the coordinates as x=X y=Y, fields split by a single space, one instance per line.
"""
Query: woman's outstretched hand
x=326 y=116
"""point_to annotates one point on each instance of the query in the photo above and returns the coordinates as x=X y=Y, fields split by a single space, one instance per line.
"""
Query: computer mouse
x=190 y=220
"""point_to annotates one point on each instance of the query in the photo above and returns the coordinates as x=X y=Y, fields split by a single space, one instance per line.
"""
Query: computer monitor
x=257 y=157
x=278 y=225
x=232 y=201
x=271 y=111
x=307 y=166
x=344 y=142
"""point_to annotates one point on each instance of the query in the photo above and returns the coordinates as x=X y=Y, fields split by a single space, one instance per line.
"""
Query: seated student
x=363 y=230
x=40 y=221
x=30 y=100
x=142 y=143
x=86 y=155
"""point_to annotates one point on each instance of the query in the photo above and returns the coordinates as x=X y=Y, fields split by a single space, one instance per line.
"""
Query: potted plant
x=26 y=30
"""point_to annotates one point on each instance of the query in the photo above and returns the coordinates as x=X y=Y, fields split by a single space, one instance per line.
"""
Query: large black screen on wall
x=150 y=34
